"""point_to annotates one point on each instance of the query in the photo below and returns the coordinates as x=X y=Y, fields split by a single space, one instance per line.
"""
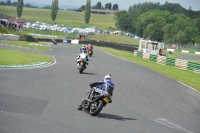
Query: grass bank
x=63 y=17
x=31 y=45
x=13 y=57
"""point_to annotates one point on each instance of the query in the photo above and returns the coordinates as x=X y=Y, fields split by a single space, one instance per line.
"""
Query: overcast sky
x=123 y=4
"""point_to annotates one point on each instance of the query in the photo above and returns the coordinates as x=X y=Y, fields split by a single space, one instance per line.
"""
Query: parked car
x=106 y=32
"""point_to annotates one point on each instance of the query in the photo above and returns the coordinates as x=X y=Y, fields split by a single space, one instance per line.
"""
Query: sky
x=122 y=4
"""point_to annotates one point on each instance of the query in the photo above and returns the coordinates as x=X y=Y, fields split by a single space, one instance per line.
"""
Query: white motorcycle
x=82 y=63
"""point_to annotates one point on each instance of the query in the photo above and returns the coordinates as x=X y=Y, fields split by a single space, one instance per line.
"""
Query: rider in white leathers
x=84 y=56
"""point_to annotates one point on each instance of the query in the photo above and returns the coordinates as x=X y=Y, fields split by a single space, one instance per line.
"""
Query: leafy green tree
x=172 y=7
x=170 y=31
x=191 y=33
x=182 y=23
x=123 y=20
x=14 y=3
x=82 y=7
x=54 y=9
x=108 y=6
x=20 y=5
x=98 y=6
x=157 y=19
x=197 y=23
x=181 y=37
x=9 y=2
x=87 y=11
x=115 y=7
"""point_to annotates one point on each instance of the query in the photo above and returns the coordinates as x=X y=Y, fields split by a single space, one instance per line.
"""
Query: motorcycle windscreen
x=109 y=87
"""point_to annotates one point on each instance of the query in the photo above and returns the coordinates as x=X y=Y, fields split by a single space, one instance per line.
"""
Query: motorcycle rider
x=83 y=48
x=82 y=55
x=98 y=86
x=89 y=46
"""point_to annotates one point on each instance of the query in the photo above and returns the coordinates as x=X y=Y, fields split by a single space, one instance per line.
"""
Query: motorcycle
x=94 y=103
x=82 y=65
x=90 y=52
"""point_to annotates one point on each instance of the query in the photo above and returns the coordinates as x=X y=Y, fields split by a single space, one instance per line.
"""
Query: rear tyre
x=80 y=69
x=99 y=106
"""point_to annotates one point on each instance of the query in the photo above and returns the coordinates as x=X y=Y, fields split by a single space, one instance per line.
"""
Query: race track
x=44 y=100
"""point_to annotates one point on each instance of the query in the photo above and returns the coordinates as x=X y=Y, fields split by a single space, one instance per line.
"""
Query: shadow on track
x=89 y=73
x=116 y=117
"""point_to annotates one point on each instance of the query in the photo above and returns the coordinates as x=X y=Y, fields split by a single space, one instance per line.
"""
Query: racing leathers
x=84 y=57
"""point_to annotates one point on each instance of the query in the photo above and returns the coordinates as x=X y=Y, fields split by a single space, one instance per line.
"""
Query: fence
x=183 y=64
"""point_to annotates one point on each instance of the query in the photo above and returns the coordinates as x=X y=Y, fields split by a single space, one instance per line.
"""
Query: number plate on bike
x=89 y=51
x=81 y=63
x=106 y=99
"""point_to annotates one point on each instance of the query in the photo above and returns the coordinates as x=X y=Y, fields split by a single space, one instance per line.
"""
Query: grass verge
x=13 y=57
x=31 y=45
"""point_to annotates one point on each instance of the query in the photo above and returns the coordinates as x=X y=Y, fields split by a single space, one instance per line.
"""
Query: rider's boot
x=80 y=107
x=77 y=65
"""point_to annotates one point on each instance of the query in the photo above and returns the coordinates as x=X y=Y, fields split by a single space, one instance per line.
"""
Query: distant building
x=17 y=20
x=98 y=11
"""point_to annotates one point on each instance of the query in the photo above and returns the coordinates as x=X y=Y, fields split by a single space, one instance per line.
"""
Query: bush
x=3 y=30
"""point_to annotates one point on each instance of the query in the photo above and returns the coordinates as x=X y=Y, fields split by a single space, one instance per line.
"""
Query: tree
x=82 y=7
x=123 y=20
x=9 y=2
x=87 y=11
x=108 y=6
x=20 y=5
x=98 y=6
x=54 y=9
x=115 y=7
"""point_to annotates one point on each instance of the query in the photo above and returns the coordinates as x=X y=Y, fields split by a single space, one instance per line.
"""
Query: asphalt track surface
x=44 y=100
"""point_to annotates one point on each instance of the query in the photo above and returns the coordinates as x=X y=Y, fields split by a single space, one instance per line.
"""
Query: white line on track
x=172 y=125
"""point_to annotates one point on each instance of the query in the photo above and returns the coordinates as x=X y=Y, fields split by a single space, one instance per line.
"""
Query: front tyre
x=96 y=107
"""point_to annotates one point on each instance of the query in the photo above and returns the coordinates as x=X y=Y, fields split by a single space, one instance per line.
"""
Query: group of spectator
x=13 y=25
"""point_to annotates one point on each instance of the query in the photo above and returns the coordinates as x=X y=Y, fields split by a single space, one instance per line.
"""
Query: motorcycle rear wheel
x=81 y=69
x=100 y=105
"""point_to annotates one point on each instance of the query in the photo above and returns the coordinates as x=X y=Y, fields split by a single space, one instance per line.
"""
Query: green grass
x=27 y=44
x=63 y=17
x=13 y=57
x=185 y=76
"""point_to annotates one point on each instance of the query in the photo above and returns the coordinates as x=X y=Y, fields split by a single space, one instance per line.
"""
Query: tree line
x=9 y=3
x=20 y=4
x=98 y=5
x=170 y=23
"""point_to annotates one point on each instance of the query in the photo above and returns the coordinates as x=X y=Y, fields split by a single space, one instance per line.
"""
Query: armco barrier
x=49 y=40
x=170 y=61
x=193 y=66
x=140 y=54
x=118 y=46
x=161 y=60
x=153 y=58
x=146 y=56
x=181 y=63
x=9 y=37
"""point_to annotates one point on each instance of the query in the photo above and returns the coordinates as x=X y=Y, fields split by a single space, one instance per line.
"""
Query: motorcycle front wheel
x=96 y=107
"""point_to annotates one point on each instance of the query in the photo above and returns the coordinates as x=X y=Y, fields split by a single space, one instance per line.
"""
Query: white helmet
x=108 y=76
